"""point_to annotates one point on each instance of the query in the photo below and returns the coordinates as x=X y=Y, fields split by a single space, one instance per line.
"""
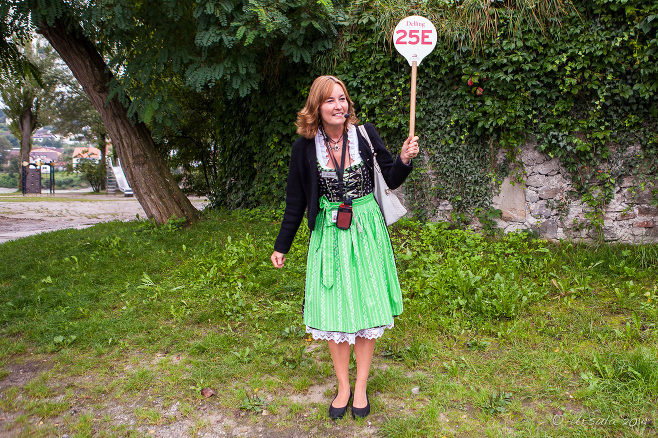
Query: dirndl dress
x=352 y=287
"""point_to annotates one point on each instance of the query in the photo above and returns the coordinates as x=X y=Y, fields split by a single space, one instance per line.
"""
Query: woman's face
x=333 y=110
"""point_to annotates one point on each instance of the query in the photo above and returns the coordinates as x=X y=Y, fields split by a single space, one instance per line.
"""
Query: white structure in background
x=43 y=134
x=86 y=153
x=120 y=177
x=44 y=156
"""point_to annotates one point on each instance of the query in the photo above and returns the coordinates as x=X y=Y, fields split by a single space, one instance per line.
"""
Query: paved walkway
x=22 y=216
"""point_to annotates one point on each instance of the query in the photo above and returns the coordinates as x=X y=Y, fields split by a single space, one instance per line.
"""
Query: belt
x=327 y=261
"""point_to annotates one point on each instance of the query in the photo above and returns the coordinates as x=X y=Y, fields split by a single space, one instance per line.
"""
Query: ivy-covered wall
x=584 y=91
x=540 y=203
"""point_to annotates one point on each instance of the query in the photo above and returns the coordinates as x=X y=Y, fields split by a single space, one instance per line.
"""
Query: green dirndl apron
x=351 y=279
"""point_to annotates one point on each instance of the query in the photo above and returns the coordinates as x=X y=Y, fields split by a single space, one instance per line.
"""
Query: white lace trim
x=338 y=337
x=321 y=149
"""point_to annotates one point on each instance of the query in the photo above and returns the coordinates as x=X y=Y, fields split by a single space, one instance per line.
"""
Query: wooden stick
x=412 y=106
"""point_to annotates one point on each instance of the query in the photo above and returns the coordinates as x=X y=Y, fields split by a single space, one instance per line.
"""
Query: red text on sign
x=415 y=36
x=427 y=34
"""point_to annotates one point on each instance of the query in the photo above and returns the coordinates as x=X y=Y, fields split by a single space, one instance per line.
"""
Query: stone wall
x=539 y=202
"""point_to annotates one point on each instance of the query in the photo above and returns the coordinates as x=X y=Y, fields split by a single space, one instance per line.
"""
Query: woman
x=352 y=290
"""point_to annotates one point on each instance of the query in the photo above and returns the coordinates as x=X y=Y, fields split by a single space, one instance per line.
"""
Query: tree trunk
x=27 y=125
x=145 y=168
x=102 y=146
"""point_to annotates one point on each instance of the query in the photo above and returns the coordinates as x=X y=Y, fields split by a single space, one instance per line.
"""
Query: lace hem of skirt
x=338 y=337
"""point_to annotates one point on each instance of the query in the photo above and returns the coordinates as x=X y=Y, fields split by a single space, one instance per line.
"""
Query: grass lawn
x=121 y=329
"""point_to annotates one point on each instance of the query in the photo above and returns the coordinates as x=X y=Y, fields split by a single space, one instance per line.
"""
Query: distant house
x=43 y=134
x=60 y=166
x=86 y=153
x=72 y=138
x=45 y=155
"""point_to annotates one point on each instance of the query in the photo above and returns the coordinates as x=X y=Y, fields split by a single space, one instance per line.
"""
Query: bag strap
x=364 y=133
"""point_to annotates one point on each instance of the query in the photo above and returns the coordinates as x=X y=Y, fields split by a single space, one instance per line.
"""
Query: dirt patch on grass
x=91 y=402
x=314 y=394
x=19 y=374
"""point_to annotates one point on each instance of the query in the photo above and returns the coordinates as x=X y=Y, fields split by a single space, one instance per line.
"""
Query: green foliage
x=93 y=171
x=458 y=271
x=74 y=113
x=173 y=225
x=26 y=99
x=7 y=135
x=9 y=180
x=253 y=403
x=65 y=180
x=115 y=311
x=583 y=91
x=617 y=371
x=496 y=402
x=216 y=82
x=219 y=82
x=5 y=148
x=232 y=47
x=13 y=62
x=238 y=150
x=257 y=144
x=14 y=165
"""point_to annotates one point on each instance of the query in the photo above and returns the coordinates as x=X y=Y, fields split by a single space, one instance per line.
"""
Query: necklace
x=331 y=144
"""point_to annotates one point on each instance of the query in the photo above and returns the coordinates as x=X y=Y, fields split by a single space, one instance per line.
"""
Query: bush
x=65 y=180
x=93 y=172
x=9 y=180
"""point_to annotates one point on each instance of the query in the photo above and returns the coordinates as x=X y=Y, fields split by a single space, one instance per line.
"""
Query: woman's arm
x=409 y=149
x=295 y=203
x=278 y=259
x=395 y=171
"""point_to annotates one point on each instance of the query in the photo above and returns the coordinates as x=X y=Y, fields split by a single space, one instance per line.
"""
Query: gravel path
x=22 y=216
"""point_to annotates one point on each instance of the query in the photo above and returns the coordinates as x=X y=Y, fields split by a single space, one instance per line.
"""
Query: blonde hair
x=308 y=119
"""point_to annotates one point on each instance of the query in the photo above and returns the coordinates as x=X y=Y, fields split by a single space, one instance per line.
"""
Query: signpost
x=415 y=38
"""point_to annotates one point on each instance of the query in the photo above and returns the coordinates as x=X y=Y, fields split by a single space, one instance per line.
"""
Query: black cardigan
x=302 y=189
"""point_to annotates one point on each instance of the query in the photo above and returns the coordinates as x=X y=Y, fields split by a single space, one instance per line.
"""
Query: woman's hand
x=277 y=259
x=409 y=149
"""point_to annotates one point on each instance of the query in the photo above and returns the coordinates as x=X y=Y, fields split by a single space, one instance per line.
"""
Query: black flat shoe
x=338 y=413
x=361 y=412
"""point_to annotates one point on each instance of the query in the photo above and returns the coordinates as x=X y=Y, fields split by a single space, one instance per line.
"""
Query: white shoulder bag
x=389 y=204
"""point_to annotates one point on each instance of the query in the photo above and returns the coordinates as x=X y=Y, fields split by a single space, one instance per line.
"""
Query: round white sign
x=415 y=38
